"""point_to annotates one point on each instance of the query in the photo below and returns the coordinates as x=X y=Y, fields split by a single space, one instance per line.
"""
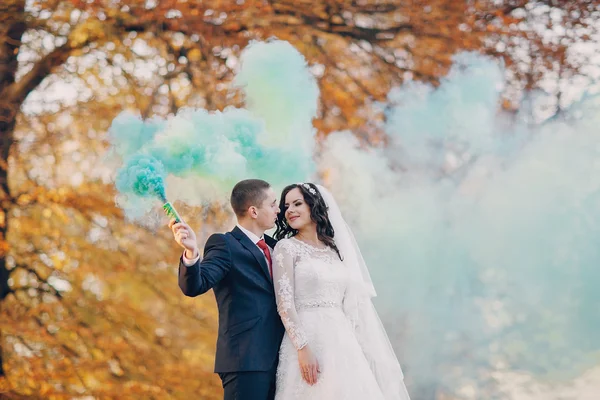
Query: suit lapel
x=256 y=252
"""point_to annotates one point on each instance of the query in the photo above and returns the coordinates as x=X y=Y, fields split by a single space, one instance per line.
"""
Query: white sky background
x=586 y=54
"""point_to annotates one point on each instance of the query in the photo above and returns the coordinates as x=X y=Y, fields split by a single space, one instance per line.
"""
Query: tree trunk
x=12 y=27
x=7 y=125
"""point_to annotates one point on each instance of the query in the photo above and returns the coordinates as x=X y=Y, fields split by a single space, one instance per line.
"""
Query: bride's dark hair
x=318 y=214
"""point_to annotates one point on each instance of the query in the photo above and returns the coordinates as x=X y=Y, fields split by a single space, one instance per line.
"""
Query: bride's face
x=297 y=212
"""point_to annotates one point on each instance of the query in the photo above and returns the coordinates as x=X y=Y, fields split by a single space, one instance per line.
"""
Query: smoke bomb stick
x=171 y=212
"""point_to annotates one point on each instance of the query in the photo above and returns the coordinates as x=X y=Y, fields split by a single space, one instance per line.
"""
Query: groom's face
x=268 y=210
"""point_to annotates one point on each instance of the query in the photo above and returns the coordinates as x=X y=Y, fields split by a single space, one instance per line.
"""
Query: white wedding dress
x=311 y=291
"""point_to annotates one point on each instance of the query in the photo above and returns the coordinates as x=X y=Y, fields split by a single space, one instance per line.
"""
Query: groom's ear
x=253 y=212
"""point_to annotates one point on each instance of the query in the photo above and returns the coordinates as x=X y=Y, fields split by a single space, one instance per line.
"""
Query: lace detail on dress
x=305 y=251
x=319 y=304
x=285 y=306
x=283 y=279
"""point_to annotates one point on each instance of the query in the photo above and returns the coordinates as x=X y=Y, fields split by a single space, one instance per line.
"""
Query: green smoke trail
x=273 y=139
x=142 y=176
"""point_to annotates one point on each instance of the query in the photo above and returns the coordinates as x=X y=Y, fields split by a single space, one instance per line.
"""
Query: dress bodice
x=306 y=277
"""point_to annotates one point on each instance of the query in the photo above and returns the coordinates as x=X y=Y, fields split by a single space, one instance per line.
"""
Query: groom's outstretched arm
x=204 y=274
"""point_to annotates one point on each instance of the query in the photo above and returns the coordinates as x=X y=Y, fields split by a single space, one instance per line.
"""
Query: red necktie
x=263 y=246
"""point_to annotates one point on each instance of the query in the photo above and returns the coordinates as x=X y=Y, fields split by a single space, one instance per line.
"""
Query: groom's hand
x=309 y=366
x=185 y=237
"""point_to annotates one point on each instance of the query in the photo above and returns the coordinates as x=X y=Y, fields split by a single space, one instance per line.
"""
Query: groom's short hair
x=247 y=193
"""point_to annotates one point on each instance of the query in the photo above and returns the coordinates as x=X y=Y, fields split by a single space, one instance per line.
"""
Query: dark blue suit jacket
x=250 y=330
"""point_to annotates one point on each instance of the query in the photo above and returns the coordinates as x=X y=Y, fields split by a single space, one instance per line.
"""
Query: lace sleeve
x=283 y=279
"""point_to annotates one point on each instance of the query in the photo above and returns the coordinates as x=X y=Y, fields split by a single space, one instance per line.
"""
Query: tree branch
x=10 y=40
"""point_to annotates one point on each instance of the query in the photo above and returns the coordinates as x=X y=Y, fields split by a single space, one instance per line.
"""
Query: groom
x=237 y=266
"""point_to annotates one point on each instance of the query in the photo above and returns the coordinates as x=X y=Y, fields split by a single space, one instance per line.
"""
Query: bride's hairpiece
x=309 y=188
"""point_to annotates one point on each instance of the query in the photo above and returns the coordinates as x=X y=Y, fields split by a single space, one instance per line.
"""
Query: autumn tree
x=84 y=302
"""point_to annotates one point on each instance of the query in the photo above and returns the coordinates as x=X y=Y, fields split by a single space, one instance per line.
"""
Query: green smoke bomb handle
x=171 y=212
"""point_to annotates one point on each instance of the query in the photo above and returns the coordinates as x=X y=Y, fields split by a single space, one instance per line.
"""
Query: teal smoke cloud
x=272 y=138
x=481 y=231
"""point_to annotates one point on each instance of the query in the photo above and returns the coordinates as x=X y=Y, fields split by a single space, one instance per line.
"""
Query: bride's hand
x=309 y=366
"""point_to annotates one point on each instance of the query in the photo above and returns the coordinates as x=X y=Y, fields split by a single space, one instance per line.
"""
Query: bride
x=335 y=346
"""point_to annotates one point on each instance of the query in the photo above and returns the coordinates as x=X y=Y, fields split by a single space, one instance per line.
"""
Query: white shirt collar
x=255 y=239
